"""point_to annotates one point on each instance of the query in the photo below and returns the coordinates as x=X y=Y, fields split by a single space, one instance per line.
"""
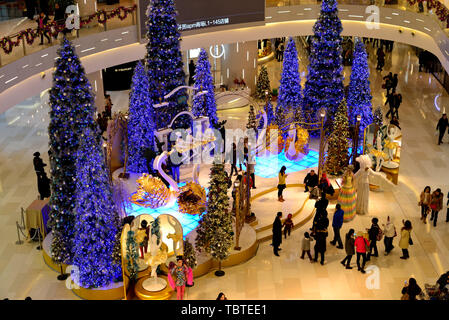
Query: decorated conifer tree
x=204 y=105
x=263 y=84
x=189 y=254
x=156 y=228
x=164 y=63
x=268 y=108
x=96 y=222
x=251 y=124
x=378 y=117
x=140 y=121
x=338 y=145
x=132 y=256
x=324 y=85
x=215 y=233
x=289 y=98
x=71 y=110
x=359 y=95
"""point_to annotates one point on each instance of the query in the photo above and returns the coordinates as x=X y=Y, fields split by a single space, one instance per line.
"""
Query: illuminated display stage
x=268 y=167
x=189 y=222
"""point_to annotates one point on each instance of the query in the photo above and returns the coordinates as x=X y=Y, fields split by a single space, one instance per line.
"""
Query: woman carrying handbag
x=406 y=239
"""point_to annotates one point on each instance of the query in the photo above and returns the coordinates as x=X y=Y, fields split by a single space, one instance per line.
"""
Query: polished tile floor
x=23 y=272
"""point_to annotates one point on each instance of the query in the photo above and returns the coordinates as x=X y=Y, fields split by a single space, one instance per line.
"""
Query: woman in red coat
x=361 y=247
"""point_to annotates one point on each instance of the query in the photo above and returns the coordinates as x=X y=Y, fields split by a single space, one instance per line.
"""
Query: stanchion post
x=63 y=276
x=18 y=242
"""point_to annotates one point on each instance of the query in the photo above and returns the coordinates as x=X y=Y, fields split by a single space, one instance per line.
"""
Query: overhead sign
x=199 y=14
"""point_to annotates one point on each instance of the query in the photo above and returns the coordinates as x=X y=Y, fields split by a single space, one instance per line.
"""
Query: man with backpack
x=375 y=234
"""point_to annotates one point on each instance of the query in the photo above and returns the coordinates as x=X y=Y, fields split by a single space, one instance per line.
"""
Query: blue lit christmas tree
x=268 y=108
x=359 y=95
x=289 y=99
x=204 y=105
x=96 y=223
x=71 y=111
x=164 y=63
x=324 y=85
x=140 y=121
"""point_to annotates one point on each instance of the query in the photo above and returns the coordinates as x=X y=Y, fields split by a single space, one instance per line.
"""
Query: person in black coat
x=441 y=126
x=277 y=233
x=38 y=163
x=233 y=159
x=394 y=83
x=320 y=234
x=372 y=233
x=311 y=180
x=149 y=155
x=391 y=100
x=43 y=185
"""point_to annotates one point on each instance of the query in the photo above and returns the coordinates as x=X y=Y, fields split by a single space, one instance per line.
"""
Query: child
x=142 y=237
x=306 y=246
x=288 y=225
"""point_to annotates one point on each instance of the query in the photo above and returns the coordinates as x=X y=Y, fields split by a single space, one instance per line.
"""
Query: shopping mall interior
x=302 y=71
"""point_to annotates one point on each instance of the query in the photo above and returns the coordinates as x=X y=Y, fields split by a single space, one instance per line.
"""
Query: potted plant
x=274 y=94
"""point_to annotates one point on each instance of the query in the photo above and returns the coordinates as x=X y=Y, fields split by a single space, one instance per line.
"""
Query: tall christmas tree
x=289 y=98
x=359 y=95
x=189 y=254
x=324 y=85
x=156 y=228
x=338 y=145
x=214 y=233
x=164 y=63
x=251 y=124
x=71 y=104
x=268 y=108
x=204 y=105
x=132 y=256
x=140 y=122
x=378 y=117
x=96 y=220
x=263 y=84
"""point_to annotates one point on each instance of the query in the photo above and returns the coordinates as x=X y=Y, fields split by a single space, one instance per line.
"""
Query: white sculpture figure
x=391 y=146
x=176 y=237
x=361 y=183
x=379 y=155
x=157 y=255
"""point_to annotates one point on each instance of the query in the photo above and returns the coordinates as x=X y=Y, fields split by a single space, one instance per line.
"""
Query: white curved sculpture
x=261 y=140
x=292 y=135
x=158 y=161
x=362 y=181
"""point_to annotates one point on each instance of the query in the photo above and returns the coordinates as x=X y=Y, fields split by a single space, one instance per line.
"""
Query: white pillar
x=96 y=81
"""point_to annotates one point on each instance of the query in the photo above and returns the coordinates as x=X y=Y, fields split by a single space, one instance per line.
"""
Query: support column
x=96 y=81
x=87 y=7
x=240 y=61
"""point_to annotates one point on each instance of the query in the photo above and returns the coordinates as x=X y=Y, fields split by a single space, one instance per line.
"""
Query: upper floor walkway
x=26 y=71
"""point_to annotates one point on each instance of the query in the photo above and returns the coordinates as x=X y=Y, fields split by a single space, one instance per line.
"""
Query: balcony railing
x=20 y=44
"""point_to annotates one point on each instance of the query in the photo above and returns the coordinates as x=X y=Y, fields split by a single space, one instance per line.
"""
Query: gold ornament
x=280 y=140
x=151 y=192
x=302 y=141
x=192 y=198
